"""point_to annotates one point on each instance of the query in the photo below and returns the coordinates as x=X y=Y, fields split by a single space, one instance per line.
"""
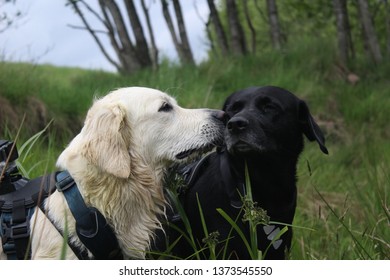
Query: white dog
x=117 y=160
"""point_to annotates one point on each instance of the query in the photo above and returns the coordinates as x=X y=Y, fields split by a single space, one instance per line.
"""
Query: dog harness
x=234 y=185
x=17 y=207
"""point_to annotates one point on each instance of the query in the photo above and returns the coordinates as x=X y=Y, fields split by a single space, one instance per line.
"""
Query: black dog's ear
x=310 y=128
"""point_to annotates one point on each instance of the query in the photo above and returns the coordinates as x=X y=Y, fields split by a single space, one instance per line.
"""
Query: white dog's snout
x=219 y=115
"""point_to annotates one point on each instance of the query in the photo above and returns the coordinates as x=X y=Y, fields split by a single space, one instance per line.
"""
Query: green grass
x=343 y=197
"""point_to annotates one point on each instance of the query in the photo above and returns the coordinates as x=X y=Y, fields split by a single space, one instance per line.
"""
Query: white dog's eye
x=165 y=107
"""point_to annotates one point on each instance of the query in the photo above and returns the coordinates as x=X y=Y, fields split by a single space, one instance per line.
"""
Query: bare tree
x=219 y=31
x=273 y=20
x=207 y=24
x=250 y=25
x=130 y=57
x=181 y=40
x=237 y=36
x=94 y=33
x=370 y=37
x=345 y=46
x=141 y=45
x=6 y=19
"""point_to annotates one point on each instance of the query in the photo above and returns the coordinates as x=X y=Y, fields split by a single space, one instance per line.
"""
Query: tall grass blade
x=210 y=243
x=276 y=237
x=226 y=245
x=252 y=224
x=346 y=228
x=185 y=220
x=29 y=144
x=64 y=247
x=238 y=230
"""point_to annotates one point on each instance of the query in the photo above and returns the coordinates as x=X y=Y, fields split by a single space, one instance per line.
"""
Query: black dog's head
x=268 y=120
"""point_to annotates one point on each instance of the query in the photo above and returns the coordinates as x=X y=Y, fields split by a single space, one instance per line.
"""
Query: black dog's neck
x=262 y=166
x=269 y=189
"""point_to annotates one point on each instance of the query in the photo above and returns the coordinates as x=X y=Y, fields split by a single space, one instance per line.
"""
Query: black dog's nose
x=237 y=124
x=219 y=115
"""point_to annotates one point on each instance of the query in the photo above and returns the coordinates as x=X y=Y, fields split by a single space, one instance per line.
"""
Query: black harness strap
x=16 y=209
x=20 y=229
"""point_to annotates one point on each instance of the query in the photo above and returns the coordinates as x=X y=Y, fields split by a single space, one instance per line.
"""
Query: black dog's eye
x=165 y=107
x=268 y=108
x=236 y=107
x=265 y=105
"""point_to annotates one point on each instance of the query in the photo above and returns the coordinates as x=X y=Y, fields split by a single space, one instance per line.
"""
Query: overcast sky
x=42 y=35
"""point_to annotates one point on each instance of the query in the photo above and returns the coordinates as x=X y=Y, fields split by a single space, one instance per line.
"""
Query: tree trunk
x=345 y=47
x=189 y=58
x=273 y=20
x=369 y=31
x=237 y=36
x=181 y=43
x=208 y=30
x=126 y=51
x=210 y=37
x=168 y=20
x=153 y=47
x=130 y=57
x=251 y=27
x=141 y=45
x=387 y=7
x=220 y=33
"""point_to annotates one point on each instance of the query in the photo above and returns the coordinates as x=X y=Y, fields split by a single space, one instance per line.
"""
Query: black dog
x=265 y=130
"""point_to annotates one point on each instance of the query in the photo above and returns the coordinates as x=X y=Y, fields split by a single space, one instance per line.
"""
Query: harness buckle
x=21 y=230
x=64 y=184
x=9 y=248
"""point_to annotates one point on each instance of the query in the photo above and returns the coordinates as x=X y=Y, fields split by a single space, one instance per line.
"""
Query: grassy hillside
x=343 y=197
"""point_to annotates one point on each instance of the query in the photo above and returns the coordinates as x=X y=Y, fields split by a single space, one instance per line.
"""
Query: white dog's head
x=149 y=123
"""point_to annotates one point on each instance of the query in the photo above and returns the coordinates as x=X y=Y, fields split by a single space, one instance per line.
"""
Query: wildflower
x=254 y=213
x=211 y=239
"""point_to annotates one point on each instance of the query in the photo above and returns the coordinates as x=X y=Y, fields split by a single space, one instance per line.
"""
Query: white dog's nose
x=219 y=115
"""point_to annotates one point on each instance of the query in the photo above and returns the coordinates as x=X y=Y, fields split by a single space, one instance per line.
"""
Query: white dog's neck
x=131 y=206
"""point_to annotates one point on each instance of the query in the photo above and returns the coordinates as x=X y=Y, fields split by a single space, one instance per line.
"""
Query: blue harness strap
x=91 y=226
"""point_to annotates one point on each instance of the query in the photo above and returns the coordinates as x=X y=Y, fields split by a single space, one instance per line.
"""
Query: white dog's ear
x=105 y=144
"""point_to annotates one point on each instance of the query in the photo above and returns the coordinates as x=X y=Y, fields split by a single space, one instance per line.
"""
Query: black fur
x=265 y=129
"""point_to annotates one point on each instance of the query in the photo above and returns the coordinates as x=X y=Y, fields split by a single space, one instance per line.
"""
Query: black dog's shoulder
x=215 y=177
